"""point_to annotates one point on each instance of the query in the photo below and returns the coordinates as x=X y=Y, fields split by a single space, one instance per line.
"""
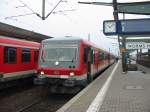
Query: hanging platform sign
x=137 y=45
x=127 y=27
x=134 y=8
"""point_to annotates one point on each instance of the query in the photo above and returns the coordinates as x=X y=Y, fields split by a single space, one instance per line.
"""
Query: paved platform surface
x=128 y=92
x=114 y=91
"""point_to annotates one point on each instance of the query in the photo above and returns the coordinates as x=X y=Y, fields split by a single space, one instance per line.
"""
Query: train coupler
x=69 y=83
x=40 y=80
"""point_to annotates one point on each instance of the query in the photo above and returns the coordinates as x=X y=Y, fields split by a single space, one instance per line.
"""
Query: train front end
x=59 y=64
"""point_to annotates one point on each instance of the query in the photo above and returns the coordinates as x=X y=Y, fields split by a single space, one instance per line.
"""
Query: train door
x=89 y=60
x=108 y=59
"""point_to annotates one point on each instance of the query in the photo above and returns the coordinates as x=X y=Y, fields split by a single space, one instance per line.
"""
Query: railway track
x=48 y=104
x=32 y=99
x=29 y=106
x=145 y=63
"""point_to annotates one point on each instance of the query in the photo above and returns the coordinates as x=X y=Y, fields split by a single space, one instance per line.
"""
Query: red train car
x=18 y=58
x=67 y=63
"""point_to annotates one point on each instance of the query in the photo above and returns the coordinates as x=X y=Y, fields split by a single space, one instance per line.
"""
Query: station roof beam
x=15 y=32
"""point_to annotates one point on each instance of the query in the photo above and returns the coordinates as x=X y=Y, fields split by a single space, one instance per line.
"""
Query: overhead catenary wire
x=19 y=15
x=60 y=11
x=37 y=14
x=24 y=5
x=27 y=6
x=53 y=8
x=20 y=6
x=30 y=9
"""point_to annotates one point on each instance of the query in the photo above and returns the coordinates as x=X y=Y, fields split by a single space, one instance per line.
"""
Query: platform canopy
x=128 y=7
x=134 y=8
x=15 y=32
x=139 y=39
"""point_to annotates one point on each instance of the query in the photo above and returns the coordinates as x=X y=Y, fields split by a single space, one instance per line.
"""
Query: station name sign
x=137 y=45
x=127 y=27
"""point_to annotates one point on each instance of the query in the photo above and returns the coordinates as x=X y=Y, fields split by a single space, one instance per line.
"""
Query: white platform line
x=97 y=102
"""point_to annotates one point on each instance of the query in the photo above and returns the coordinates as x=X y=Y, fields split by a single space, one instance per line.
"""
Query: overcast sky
x=80 y=20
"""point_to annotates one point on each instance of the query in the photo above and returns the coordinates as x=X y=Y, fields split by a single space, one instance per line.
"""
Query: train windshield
x=60 y=53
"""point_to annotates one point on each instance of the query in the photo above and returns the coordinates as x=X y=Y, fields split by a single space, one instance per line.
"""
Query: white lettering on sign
x=137 y=45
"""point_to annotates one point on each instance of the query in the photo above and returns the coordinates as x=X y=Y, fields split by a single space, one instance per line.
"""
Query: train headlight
x=72 y=73
x=42 y=73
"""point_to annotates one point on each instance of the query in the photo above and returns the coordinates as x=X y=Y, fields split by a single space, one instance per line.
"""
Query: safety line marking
x=97 y=102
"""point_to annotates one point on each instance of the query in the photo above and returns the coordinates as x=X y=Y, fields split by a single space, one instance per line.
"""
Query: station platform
x=114 y=91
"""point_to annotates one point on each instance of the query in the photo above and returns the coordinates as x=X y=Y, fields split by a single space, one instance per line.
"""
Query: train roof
x=18 y=42
x=63 y=39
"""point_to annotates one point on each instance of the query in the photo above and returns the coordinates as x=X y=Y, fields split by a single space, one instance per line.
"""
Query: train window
x=85 y=55
x=26 y=55
x=106 y=56
x=36 y=54
x=102 y=56
x=95 y=57
x=10 y=54
x=89 y=57
x=92 y=56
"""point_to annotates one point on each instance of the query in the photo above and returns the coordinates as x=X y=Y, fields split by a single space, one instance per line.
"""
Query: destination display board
x=127 y=27
x=134 y=26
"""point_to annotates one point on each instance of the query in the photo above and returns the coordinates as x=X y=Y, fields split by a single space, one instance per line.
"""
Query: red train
x=18 y=58
x=67 y=64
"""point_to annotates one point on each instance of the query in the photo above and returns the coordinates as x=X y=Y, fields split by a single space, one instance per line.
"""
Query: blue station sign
x=127 y=27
